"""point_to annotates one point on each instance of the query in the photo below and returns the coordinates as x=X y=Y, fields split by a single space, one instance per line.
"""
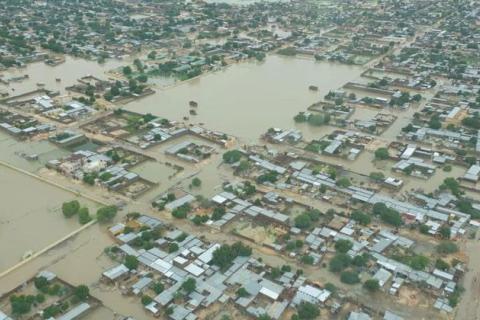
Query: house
x=116 y=273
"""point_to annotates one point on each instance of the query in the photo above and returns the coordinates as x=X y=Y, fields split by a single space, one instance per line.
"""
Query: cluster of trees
x=218 y=213
x=23 y=304
x=452 y=185
x=342 y=261
x=270 y=176
x=400 y=101
x=89 y=178
x=313 y=119
x=131 y=262
x=232 y=156
x=415 y=261
x=200 y=219
x=343 y=246
x=294 y=245
x=317 y=146
x=182 y=211
x=71 y=208
x=225 y=254
x=388 y=215
x=306 y=311
x=361 y=217
x=147 y=237
x=118 y=89
x=305 y=219
x=472 y=122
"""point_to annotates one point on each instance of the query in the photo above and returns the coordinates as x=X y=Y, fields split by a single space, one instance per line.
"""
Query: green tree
x=232 y=156
x=182 y=211
x=106 y=214
x=131 y=262
x=158 y=287
x=343 y=182
x=303 y=221
x=172 y=247
x=343 y=246
x=434 y=122
x=392 y=217
x=21 y=304
x=444 y=232
x=361 y=260
x=419 y=262
x=146 y=300
x=381 y=154
x=198 y=219
x=189 y=285
x=371 y=285
x=81 y=292
x=340 y=262
x=69 y=209
x=225 y=254
x=196 y=182
x=242 y=292
x=361 y=217
x=307 y=311
x=442 y=265
x=218 y=213
x=84 y=215
x=127 y=70
x=41 y=283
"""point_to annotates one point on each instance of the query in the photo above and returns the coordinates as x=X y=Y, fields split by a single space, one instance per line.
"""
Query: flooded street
x=30 y=225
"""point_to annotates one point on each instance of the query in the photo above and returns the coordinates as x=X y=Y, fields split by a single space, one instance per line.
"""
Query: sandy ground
x=469 y=307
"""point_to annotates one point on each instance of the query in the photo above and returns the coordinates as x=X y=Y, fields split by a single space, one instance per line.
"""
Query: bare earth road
x=469 y=307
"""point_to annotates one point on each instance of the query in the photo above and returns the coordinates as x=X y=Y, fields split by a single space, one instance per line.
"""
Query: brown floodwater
x=30 y=215
x=68 y=72
x=14 y=151
x=246 y=99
